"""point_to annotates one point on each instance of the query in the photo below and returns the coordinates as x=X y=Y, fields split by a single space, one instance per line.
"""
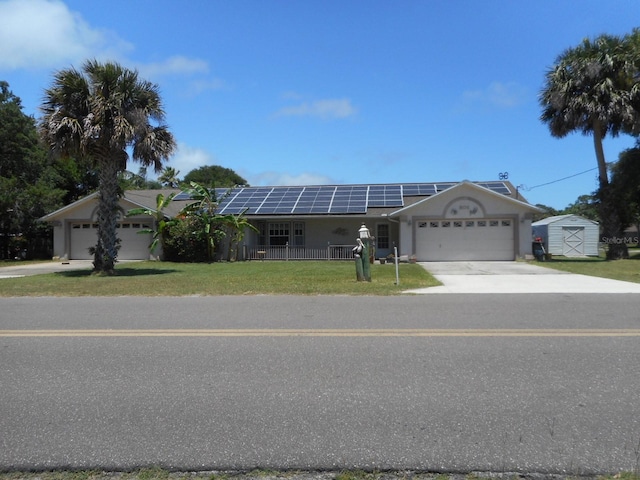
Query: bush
x=185 y=241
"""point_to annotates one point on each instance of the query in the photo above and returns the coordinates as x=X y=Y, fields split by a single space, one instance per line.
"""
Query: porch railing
x=287 y=252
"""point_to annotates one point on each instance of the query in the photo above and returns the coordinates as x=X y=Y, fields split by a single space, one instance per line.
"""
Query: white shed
x=568 y=235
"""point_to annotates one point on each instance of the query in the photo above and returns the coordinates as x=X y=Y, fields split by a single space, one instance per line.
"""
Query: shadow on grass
x=120 y=272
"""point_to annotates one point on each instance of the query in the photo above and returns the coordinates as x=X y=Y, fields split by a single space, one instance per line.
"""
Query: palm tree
x=98 y=113
x=169 y=177
x=594 y=89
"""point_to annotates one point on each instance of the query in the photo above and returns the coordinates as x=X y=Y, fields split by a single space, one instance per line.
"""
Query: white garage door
x=483 y=239
x=133 y=246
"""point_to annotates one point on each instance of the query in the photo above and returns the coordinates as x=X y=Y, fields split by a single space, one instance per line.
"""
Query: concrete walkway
x=515 y=277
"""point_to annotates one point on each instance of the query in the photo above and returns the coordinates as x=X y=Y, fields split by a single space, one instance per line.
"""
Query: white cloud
x=45 y=33
x=286 y=179
x=496 y=94
x=189 y=158
x=325 y=109
x=176 y=65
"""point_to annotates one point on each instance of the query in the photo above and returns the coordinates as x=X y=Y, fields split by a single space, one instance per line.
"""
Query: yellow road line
x=390 y=332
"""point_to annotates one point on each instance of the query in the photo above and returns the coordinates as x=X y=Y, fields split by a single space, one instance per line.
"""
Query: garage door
x=477 y=239
x=133 y=246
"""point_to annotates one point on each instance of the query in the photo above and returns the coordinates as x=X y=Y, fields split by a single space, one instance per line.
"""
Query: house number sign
x=464 y=208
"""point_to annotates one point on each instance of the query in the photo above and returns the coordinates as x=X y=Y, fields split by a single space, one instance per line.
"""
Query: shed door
x=477 y=239
x=573 y=241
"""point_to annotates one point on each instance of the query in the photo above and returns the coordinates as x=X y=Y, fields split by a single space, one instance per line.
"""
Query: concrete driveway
x=515 y=277
x=49 y=267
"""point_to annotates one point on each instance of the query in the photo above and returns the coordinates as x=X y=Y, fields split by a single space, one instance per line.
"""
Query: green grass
x=625 y=270
x=240 y=278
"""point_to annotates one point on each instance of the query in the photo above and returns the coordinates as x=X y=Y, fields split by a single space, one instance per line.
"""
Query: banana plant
x=161 y=220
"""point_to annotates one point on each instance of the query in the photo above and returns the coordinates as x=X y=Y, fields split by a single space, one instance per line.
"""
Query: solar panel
x=418 y=189
x=182 y=196
x=498 y=187
x=440 y=187
x=325 y=199
x=281 y=200
x=314 y=200
x=247 y=198
x=349 y=199
x=385 y=196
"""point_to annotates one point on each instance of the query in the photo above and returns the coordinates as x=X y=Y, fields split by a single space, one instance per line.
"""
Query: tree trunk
x=107 y=248
x=608 y=212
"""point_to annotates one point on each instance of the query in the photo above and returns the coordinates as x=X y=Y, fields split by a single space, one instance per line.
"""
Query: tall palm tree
x=98 y=113
x=594 y=89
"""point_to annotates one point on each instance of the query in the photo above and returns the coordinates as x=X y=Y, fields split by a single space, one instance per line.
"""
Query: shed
x=568 y=235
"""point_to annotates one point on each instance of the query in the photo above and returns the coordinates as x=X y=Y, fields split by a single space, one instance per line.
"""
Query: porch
x=287 y=252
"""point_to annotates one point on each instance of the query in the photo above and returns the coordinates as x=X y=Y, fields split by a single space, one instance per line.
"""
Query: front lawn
x=625 y=270
x=240 y=278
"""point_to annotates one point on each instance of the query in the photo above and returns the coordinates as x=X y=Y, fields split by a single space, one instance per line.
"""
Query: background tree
x=169 y=177
x=547 y=211
x=97 y=114
x=29 y=184
x=214 y=176
x=585 y=206
x=625 y=185
x=593 y=88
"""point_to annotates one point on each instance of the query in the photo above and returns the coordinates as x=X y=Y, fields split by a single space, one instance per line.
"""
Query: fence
x=286 y=252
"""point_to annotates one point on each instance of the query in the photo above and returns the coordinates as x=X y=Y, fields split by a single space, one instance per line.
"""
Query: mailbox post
x=361 y=254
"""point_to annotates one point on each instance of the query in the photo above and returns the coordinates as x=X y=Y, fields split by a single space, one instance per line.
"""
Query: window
x=382 y=237
x=434 y=224
x=493 y=223
x=482 y=223
x=278 y=234
x=457 y=224
x=469 y=223
x=298 y=234
x=506 y=223
x=446 y=224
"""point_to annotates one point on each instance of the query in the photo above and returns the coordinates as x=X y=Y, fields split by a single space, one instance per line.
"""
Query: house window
x=382 y=237
x=298 y=234
x=278 y=234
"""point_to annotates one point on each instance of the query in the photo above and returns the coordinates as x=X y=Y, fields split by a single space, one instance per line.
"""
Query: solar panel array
x=325 y=199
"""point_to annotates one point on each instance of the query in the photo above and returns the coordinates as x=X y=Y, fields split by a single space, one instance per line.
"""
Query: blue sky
x=291 y=92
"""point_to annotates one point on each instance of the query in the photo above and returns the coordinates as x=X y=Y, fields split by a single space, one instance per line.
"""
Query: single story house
x=568 y=235
x=429 y=221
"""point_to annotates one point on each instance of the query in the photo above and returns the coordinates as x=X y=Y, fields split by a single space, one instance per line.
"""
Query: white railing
x=286 y=252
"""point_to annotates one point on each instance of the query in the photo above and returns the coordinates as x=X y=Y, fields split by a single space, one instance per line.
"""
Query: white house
x=568 y=235
x=431 y=221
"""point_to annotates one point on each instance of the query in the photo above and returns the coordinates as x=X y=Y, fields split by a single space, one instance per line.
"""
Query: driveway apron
x=515 y=277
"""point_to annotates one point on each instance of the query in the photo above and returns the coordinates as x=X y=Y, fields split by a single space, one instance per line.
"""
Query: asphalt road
x=517 y=383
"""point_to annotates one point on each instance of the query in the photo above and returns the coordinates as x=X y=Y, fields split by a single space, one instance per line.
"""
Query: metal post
x=395 y=259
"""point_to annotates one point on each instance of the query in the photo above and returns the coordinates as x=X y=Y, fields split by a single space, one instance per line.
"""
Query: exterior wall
x=477 y=204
